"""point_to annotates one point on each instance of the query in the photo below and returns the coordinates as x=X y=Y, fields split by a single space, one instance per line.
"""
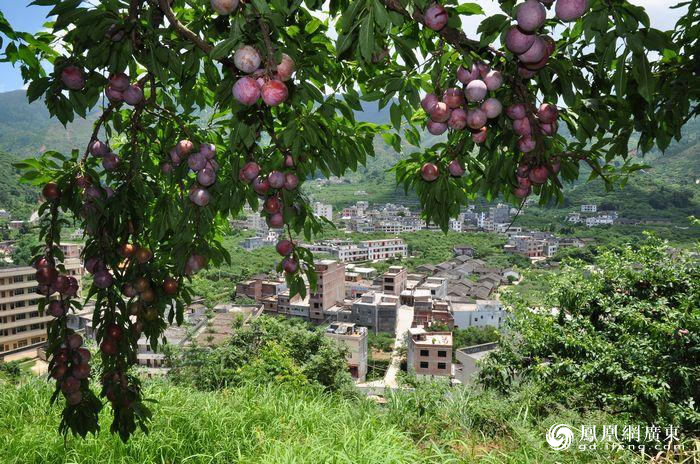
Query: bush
x=625 y=337
x=296 y=353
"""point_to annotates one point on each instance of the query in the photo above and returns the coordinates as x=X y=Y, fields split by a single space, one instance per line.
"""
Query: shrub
x=625 y=337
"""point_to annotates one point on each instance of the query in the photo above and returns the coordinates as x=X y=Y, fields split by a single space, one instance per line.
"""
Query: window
x=17 y=279
x=424 y=353
x=35 y=340
x=442 y=366
x=424 y=365
x=442 y=354
x=18 y=291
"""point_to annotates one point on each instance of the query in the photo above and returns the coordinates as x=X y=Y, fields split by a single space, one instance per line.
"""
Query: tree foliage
x=624 y=336
x=181 y=67
x=265 y=350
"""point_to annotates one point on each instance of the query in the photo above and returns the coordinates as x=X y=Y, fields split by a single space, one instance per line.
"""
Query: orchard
x=206 y=106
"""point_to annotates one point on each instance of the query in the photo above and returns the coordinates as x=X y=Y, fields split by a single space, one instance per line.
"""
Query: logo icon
x=559 y=437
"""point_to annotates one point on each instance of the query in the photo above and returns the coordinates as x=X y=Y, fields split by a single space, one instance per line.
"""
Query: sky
x=26 y=18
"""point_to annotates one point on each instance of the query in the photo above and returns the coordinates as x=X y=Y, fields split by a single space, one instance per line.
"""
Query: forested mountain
x=669 y=189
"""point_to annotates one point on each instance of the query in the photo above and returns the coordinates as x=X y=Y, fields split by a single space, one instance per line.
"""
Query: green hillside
x=669 y=190
x=18 y=199
x=26 y=129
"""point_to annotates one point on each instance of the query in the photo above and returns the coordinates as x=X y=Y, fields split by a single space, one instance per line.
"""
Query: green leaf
x=367 y=37
x=469 y=9
x=223 y=49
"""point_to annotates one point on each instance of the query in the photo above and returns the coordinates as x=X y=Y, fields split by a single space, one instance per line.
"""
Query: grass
x=270 y=424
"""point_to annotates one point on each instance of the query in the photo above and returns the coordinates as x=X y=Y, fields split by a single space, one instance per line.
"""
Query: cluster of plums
x=120 y=89
x=202 y=162
x=430 y=171
x=533 y=51
x=248 y=89
x=110 y=160
x=546 y=119
x=51 y=282
x=528 y=175
x=269 y=187
x=285 y=248
x=456 y=112
x=70 y=366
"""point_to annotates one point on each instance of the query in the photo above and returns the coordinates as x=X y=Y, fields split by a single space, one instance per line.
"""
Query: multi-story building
x=355 y=339
x=394 y=280
x=429 y=353
x=250 y=288
x=330 y=288
x=385 y=248
x=323 y=210
x=499 y=214
x=376 y=311
x=347 y=251
x=21 y=325
x=589 y=208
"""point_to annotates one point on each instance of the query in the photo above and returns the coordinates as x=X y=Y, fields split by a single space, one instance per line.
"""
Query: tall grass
x=273 y=424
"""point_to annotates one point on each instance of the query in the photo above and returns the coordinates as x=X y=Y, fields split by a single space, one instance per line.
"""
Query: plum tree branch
x=187 y=34
x=268 y=45
x=98 y=125
x=455 y=37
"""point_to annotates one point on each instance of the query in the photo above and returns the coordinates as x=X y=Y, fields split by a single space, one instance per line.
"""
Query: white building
x=456 y=225
x=599 y=220
x=574 y=217
x=323 y=210
x=483 y=313
x=589 y=208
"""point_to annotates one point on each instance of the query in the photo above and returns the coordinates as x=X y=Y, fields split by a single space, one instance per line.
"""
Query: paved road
x=404 y=318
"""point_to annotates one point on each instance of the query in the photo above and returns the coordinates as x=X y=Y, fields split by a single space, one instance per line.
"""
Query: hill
x=18 y=199
x=669 y=190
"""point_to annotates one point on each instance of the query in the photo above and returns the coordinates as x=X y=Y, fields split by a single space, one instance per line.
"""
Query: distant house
x=251 y=243
x=511 y=273
x=427 y=269
x=463 y=250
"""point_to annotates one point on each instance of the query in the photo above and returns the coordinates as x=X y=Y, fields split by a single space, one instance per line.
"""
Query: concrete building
x=480 y=314
x=251 y=243
x=429 y=353
x=463 y=250
x=469 y=357
x=394 y=280
x=589 y=208
x=354 y=338
x=376 y=311
x=437 y=287
x=21 y=325
x=330 y=288
x=499 y=214
x=368 y=250
x=323 y=210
